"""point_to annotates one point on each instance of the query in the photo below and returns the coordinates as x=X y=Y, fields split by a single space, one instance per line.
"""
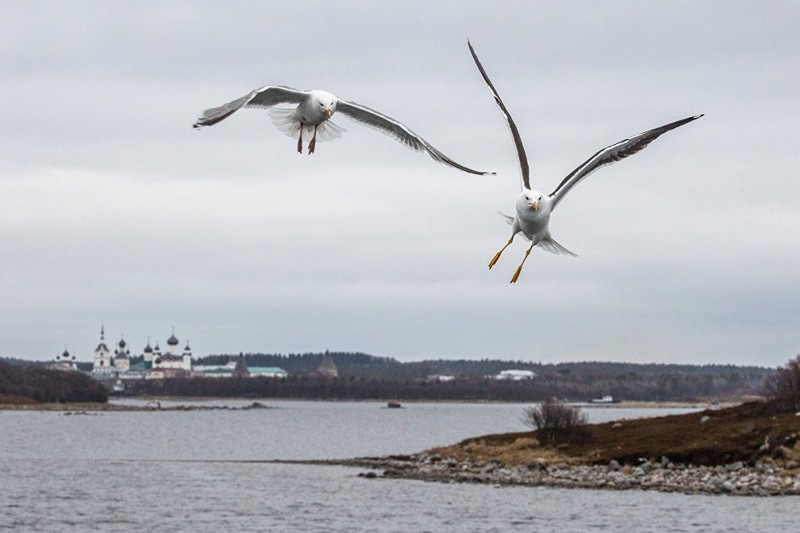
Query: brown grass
x=727 y=435
x=15 y=399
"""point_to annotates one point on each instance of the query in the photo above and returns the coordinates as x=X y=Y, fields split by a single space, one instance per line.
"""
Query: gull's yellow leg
x=519 y=268
x=497 y=255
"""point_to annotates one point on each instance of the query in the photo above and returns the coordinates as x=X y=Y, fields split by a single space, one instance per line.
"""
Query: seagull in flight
x=534 y=208
x=312 y=117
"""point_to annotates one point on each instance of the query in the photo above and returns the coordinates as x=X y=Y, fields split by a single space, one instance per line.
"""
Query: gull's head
x=327 y=103
x=529 y=201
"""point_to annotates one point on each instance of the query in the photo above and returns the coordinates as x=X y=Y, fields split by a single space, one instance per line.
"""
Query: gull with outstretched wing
x=312 y=114
x=533 y=208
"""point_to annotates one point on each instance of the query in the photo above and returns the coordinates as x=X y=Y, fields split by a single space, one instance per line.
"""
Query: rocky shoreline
x=765 y=478
x=96 y=408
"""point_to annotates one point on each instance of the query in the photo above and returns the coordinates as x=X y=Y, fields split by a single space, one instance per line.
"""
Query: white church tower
x=187 y=357
x=102 y=356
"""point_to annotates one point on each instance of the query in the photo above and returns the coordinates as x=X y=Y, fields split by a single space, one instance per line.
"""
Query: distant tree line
x=363 y=376
x=366 y=377
x=361 y=365
x=573 y=386
x=37 y=382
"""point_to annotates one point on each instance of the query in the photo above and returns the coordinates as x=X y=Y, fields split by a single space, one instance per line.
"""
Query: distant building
x=155 y=364
x=147 y=355
x=65 y=361
x=102 y=356
x=268 y=372
x=171 y=361
x=515 y=375
x=122 y=357
x=238 y=368
x=213 y=371
x=327 y=368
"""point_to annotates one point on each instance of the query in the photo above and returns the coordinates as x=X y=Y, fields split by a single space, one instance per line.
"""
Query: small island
x=749 y=449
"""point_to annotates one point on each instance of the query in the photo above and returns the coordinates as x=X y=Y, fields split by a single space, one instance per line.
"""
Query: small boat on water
x=393 y=405
x=605 y=399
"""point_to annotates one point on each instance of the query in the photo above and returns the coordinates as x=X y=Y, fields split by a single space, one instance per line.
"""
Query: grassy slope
x=728 y=435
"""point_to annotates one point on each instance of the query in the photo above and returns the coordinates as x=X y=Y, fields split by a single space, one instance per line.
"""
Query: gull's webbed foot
x=495 y=259
x=515 y=277
x=497 y=255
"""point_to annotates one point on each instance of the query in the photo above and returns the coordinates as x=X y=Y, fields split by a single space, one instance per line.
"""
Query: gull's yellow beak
x=535 y=205
x=328 y=112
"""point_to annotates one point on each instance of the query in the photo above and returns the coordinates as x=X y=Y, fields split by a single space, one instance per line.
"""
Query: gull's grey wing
x=523 y=158
x=612 y=154
x=267 y=96
x=399 y=131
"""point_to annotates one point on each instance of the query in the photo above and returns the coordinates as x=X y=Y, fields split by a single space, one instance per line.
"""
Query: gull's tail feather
x=550 y=245
x=328 y=131
x=285 y=120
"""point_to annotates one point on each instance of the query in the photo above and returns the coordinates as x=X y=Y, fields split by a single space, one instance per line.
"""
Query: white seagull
x=312 y=117
x=533 y=208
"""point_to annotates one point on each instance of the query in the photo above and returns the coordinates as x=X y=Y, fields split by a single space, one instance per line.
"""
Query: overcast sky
x=114 y=211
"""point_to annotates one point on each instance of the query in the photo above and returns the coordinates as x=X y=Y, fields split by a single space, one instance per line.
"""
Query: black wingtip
x=472 y=51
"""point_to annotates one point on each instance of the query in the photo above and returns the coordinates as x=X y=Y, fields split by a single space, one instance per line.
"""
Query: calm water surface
x=199 y=471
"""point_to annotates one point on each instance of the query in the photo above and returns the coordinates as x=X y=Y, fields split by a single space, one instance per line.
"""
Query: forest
x=36 y=382
x=365 y=377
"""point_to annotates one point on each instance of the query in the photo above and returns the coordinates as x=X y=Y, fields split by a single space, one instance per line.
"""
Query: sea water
x=205 y=470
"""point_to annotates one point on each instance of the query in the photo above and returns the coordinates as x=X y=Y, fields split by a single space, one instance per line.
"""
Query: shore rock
x=761 y=479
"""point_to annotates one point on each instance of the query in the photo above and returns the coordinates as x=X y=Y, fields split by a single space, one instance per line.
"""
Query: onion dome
x=65 y=355
x=172 y=341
